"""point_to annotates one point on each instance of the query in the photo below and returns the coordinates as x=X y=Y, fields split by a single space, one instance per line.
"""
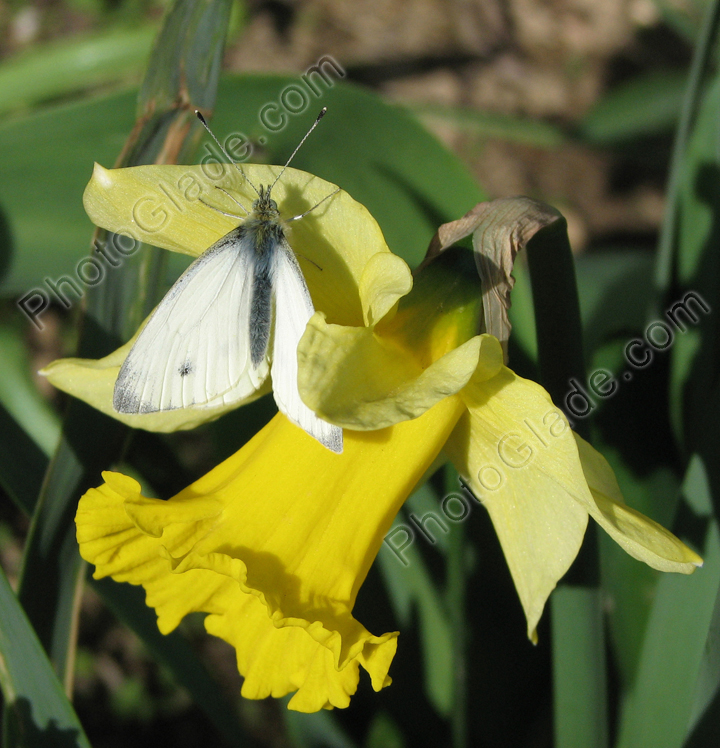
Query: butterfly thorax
x=263 y=225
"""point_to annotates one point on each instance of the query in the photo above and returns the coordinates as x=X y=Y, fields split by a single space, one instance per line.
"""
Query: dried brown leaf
x=500 y=229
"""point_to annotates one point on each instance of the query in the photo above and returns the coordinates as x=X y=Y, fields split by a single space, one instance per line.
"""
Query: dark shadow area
x=707 y=729
x=377 y=73
x=657 y=46
x=6 y=245
x=635 y=419
x=405 y=699
x=22 y=730
x=701 y=389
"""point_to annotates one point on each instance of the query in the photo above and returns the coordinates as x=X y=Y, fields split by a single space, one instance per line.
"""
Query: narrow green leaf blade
x=19 y=394
x=23 y=466
x=702 y=70
x=578 y=668
x=73 y=65
x=37 y=712
x=646 y=105
x=658 y=712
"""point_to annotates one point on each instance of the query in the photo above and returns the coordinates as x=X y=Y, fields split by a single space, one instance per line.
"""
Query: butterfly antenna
x=198 y=114
x=323 y=111
x=302 y=215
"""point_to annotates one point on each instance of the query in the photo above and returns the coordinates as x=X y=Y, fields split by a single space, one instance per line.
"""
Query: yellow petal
x=149 y=204
x=385 y=279
x=532 y=474
x=417 y=350
x=360 y=380
x=169 y=207
x=634 y=532
x=518 y=454
x=274 y=544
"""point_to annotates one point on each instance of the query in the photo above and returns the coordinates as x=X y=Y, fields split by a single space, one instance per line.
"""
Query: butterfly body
x=266 y=234
x=208 y=341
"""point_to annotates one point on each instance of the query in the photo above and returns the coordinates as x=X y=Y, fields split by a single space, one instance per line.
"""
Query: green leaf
x=702 y=73
x=495 y=125
x=20 y=396
x=384 y=733
x=688 y=262
x=521 y=313
x=705 y=719
x=706 y=707
x=614 y=293
x=47 y=161
x=646 y=105
x=37 y=712
x=21 y=467
x=316 y=730
x=578 y=668
x=659 y=709
x=456 y=600
x=557 y=310
x=186 y=58
x=698 y=188
x=6 y=245
x=629 y=586
x=73 y=65
x=671 y=685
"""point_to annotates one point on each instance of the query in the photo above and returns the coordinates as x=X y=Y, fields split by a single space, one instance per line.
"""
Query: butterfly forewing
x=195 y=348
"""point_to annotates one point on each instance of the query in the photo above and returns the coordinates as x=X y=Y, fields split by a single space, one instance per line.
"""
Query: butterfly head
x=265 y=208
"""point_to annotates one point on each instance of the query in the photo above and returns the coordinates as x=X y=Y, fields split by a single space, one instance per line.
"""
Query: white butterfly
x=207 y=342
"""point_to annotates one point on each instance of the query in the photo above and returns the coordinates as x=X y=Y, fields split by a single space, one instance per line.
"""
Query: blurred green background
x=609 y=111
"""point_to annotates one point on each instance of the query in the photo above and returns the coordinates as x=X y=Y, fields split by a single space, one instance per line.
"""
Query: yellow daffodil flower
x=275 y=542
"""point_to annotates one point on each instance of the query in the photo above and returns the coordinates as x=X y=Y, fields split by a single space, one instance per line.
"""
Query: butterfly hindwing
x=293 y=309
x=195 y=348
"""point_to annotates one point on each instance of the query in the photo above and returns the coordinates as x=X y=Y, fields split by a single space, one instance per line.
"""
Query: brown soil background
x=541 y=60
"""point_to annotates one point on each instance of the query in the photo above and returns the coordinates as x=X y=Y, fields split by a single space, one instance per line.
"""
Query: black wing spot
x=185 y=369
